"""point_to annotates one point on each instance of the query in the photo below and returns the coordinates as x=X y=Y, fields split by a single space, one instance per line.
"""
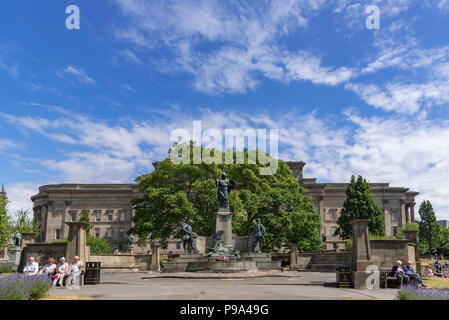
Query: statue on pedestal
x=17 y=239
x=188 y=241
x=258 y=233
x=225 y=186
x=130 y=242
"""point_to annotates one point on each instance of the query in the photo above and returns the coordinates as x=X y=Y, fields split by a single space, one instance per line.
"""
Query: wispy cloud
x=79 y=74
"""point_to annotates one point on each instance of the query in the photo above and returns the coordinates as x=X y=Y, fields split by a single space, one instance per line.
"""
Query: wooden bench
x=386 y=276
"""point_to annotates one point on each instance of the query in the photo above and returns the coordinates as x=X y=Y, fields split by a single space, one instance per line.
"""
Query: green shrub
x=348 y=245
x=411 y=226
x=99 y=245
x=7 y=268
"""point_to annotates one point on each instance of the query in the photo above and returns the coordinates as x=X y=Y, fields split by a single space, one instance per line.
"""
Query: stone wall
x=42 y=252
x=123 y=262
x=387 y=252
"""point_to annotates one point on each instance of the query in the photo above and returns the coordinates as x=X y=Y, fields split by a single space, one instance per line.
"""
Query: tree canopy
x=359 y=204
x=24 y=223
x=174 y=193
x=5 y=224
x=429 y=231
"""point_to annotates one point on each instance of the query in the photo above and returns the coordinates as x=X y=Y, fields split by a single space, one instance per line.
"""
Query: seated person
x=31 y=268
x=427 y=272
x=399 y=273
x=49 y=269
x=439 y=272
x=61 y=270
x=437 y=264
x=408 y=268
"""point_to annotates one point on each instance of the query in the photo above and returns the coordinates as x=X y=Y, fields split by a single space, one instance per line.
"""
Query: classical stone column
x=412 y=212
x=155 y=257
x=361 y=253
x=407 y=212
x=76 y=243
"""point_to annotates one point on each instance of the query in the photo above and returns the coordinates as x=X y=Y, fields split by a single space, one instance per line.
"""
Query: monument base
x=200 y=263
x=14 y=256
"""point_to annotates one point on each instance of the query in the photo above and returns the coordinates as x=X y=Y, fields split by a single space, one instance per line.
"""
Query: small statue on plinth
x=324 y=238
x=17 y=240
x=188 y=241
x=130 y=243
x=225 y=186
x=258 y=233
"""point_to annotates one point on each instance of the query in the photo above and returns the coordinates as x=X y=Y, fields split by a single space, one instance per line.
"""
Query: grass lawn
x=437 y=283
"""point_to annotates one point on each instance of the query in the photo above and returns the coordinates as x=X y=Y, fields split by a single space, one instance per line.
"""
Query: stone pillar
x=412 y=236
x=76 y=243
x=224 y=222
x=361 y=253
x=407 y=212
x=294 y=257
x=412 y=212
x=155 y=257
x=28 y=237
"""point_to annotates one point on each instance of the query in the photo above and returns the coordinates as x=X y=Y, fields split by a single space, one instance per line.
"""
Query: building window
x=109 y=233
x=122 y=233
x=178 y=245
x=122 y=216
x=333 y=214
x=73 y=214
x=394 y=215
x=333 y=229
x=58 y=234
x=109 y=216
x=97 y=232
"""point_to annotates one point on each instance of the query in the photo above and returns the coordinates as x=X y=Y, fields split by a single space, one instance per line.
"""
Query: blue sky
x=98 y=104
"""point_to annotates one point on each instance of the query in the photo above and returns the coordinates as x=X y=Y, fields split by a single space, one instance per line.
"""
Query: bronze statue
x=258 y=233
x=219 y=250
x=225 y=186
x=130 y=240
x=17 y=239
x=188 y=241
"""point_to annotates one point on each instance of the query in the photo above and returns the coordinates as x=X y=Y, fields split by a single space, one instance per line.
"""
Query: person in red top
x=399 y=273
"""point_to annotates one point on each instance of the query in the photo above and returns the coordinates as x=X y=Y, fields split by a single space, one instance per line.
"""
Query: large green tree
x=174 y=193
x=5 y=224
x=429 y=231
x=359 y=204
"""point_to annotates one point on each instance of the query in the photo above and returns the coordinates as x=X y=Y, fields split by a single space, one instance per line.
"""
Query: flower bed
x=22 y=287
x=416 y=293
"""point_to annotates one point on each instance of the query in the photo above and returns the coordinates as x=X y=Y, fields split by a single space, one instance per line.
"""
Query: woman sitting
x=49 y=269
x=61 y=271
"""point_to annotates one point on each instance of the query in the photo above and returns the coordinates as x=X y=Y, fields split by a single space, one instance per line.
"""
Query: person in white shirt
x=61 y=270
x=74 y=277
x=31 y=268
x=49 y=269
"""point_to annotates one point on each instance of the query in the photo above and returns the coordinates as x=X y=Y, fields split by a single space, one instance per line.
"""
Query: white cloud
x=19 y=194
x=128 y=87
x=7 y=144
x=443 y=4
x=79 y=74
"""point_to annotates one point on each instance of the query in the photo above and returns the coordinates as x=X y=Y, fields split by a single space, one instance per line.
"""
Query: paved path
x=310 y=286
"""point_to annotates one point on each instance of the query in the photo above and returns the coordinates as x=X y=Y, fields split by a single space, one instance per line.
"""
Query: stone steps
x=323 y=267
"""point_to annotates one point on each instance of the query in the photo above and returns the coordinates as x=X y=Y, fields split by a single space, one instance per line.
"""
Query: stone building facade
x=110 y=209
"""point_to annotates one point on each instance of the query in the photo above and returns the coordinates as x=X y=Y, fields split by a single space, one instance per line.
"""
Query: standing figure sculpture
x=225 y=186
x=17 y=239
x=188 y=241
x=258 y=233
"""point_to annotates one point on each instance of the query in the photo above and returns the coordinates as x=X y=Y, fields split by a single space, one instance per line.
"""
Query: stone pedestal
x=224 y=223
x=155 y=258
x=14 y=256
x=294 y=257
x=361 y=253
x=28 y=237
x=76 y=242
